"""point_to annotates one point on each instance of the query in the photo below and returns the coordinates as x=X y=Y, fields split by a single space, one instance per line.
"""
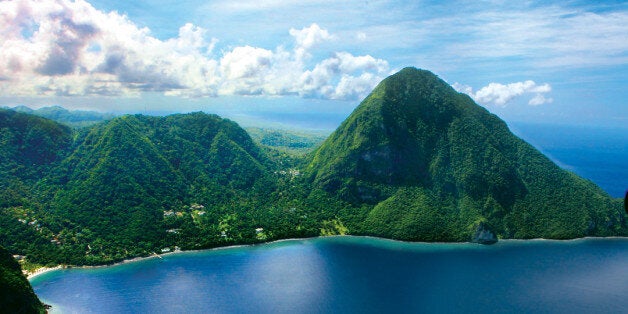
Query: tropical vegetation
x=415 y=161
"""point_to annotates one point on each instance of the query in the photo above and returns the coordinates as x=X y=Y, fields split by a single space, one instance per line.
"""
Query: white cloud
x=358 y=75
x=307 y=38
x=498 y=94
x=243 y=70
x=261 y=5
x=462 y=88
x=542 y=35
x=539 y=99
x=449 y=35
x=69 y=48
x=245 y=62
x=354 y=87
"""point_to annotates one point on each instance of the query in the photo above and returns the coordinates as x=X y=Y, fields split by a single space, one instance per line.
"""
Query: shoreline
x=43 y=270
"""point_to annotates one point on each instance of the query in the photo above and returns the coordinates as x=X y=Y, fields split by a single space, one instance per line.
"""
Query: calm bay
x=356 y=275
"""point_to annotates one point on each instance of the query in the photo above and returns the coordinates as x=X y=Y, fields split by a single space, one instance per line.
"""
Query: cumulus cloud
x=69 y=48
x=244 y=69
x=307 y=38
x=539 y=99
x=500 y=95
x=322 y=79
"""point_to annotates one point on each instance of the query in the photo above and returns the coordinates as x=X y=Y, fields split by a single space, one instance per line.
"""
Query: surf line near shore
x=40 y=271
x=43 y=270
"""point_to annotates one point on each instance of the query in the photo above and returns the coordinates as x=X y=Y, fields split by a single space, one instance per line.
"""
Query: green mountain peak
x=415 y=145
x=391 y=136
x=416 y=160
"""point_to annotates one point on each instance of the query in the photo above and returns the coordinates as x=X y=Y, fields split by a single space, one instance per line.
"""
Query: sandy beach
x=42 y=270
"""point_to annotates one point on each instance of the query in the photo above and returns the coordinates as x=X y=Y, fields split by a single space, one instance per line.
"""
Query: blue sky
x=560 y=62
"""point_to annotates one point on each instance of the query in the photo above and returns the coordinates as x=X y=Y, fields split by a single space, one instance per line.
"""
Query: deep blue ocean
x=356 y=275
x=599 y=154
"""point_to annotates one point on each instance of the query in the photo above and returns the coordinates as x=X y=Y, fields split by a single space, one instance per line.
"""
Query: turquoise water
x=356 y=275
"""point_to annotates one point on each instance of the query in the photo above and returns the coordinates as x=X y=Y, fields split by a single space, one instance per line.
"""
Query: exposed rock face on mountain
x=483 y=236
x=436 y=166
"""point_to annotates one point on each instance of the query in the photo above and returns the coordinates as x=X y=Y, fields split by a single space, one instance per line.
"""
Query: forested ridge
x=16 y=294
x=415 y=161
x=72 y=118
x=417 y=144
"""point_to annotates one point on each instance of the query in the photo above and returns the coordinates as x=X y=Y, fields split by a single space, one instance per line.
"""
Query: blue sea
x=367 y=275
x=356 y=275
x=599 y=154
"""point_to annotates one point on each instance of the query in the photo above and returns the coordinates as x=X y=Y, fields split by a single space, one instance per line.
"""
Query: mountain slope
x=116 y=183
x=29 y=145
x=129 y=186
x=123 y=176
x=17 y=295
x=415 y=144
x=415 y=161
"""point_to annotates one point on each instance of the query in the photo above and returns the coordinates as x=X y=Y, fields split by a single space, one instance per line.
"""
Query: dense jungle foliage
x=415 y=161
x=16 y=294
x=436 y=166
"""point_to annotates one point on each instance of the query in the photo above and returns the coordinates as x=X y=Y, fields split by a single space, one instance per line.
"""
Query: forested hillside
x=289 y=141
x=415 y=161
x=16 y=294
x=135 y=185
x=436 y=166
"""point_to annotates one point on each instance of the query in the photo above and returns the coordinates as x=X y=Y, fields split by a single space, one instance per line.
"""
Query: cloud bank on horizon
x=499 y=94
x=63 y=48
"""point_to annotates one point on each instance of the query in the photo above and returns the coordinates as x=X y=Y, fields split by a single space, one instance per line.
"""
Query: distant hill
x=30 y=145
x=296 y=142
x=438 y=167
x=125 y=174
x=74 y=118
x=113 y=190
x=16 y=294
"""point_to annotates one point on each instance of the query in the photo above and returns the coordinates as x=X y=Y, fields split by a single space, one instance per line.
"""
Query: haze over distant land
x=550 y=62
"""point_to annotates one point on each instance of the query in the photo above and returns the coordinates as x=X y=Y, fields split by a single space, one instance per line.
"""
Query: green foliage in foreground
x=16 y=293
x=415 y=161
